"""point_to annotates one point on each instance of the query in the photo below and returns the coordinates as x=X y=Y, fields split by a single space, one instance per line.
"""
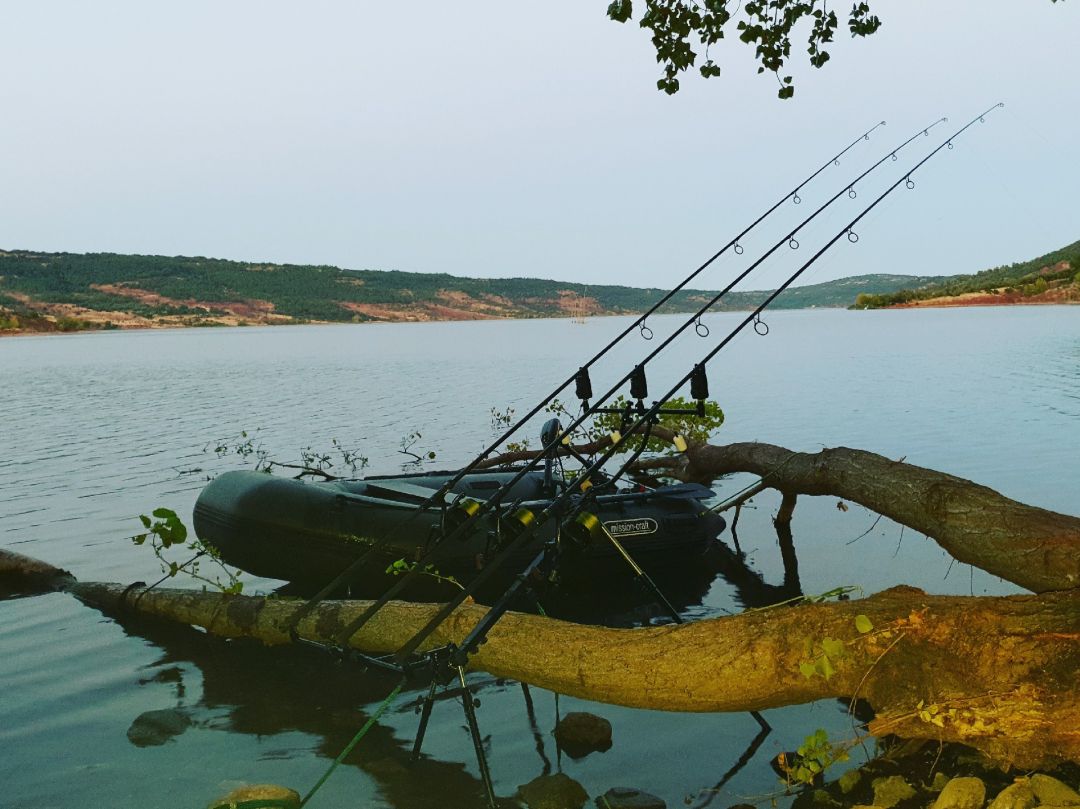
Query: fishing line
x=639 y=324
x=755 y=315
x=650 y=413
x=495 y=500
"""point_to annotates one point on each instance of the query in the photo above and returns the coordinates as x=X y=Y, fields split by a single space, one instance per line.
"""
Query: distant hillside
x=70 y=291
x=1052 y=278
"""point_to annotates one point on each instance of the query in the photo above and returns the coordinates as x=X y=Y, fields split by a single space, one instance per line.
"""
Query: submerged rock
x=558 y=791
x=890 y=790
x=962 y=793
x=579 y=734
x=629 y=798
x=157 y=727
x=266 y=794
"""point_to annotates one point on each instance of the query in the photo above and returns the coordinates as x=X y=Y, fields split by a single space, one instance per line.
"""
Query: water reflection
x=246 y=688
x=254 y=690
x=102 y=424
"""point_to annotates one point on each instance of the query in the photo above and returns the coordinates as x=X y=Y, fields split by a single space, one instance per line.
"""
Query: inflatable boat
x=308 y=532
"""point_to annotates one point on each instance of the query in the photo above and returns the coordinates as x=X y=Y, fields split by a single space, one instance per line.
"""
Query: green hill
x=1054 y=277
x=67 y=291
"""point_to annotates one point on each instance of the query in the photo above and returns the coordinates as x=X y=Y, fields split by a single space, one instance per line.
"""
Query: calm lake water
x=98 y=428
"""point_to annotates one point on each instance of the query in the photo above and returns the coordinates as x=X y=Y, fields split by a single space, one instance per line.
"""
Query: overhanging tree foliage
x=683 y=29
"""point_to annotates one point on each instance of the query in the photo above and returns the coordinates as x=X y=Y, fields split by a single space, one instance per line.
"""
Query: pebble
x=629 y=798
x=1052 y=791
x=580 y=733
x=286 y=798
x=890 y=790
x=153 y=728
x=1015 y=796
x=558 y=791
x=962 y=793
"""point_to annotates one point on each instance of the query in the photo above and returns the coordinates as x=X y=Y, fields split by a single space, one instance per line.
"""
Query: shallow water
x=98 y=428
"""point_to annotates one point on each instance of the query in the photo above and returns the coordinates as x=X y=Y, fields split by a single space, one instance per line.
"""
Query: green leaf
x=145 y=520
x=807 y=669
x=164 y=513
x=833 y=648
x=785 y=92
x=620 y=10
x=825 y=667
x=863 y=624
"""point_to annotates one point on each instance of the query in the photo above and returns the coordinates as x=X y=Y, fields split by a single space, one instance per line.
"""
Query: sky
x=495 y=139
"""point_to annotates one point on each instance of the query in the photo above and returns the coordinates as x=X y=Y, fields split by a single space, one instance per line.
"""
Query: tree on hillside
x=680 y=26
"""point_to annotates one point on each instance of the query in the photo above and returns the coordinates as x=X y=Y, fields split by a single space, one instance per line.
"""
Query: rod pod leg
x=425 y=717
x=474 y=732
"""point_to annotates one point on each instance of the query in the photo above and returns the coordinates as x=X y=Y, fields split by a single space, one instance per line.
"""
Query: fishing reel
x=457 y=514
x=582 y=530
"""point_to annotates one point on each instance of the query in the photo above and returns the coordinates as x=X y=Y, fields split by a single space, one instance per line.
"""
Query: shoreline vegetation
x=59 y=293
x=1053 y=278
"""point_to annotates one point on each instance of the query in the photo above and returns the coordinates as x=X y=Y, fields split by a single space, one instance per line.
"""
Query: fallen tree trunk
x=1032 y=547
x=998 y=674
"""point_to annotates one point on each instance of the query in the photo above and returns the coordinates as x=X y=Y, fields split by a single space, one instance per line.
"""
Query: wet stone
x=629 y=798
x=939 y=782
x=1053 y=792
x=580 y=733
x=1015 y=796
x=558 y=791
x=848 y=781
x=282 y=797
x=962 y=793
x=891 y=790
x=157 y=727
x=821 y=797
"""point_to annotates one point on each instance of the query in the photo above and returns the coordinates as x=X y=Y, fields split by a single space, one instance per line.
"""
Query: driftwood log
x=998 y=674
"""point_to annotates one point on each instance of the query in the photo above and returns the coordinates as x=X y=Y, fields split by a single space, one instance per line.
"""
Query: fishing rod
x=591 y=524
x=438 y=497
x=469 y=510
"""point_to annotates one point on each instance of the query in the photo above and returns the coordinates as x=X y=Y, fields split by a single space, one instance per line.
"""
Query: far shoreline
x=14 y=333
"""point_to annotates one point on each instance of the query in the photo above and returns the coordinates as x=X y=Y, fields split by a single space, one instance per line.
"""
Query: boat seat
x=401 y=490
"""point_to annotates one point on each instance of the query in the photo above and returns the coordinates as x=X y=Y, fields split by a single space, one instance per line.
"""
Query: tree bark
x=998 y=674
x=1032 y=547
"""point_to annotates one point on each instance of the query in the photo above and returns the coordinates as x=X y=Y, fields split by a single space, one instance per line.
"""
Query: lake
x=98 y=428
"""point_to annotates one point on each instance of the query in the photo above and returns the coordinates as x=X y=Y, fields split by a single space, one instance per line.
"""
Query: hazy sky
x=501 y=139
